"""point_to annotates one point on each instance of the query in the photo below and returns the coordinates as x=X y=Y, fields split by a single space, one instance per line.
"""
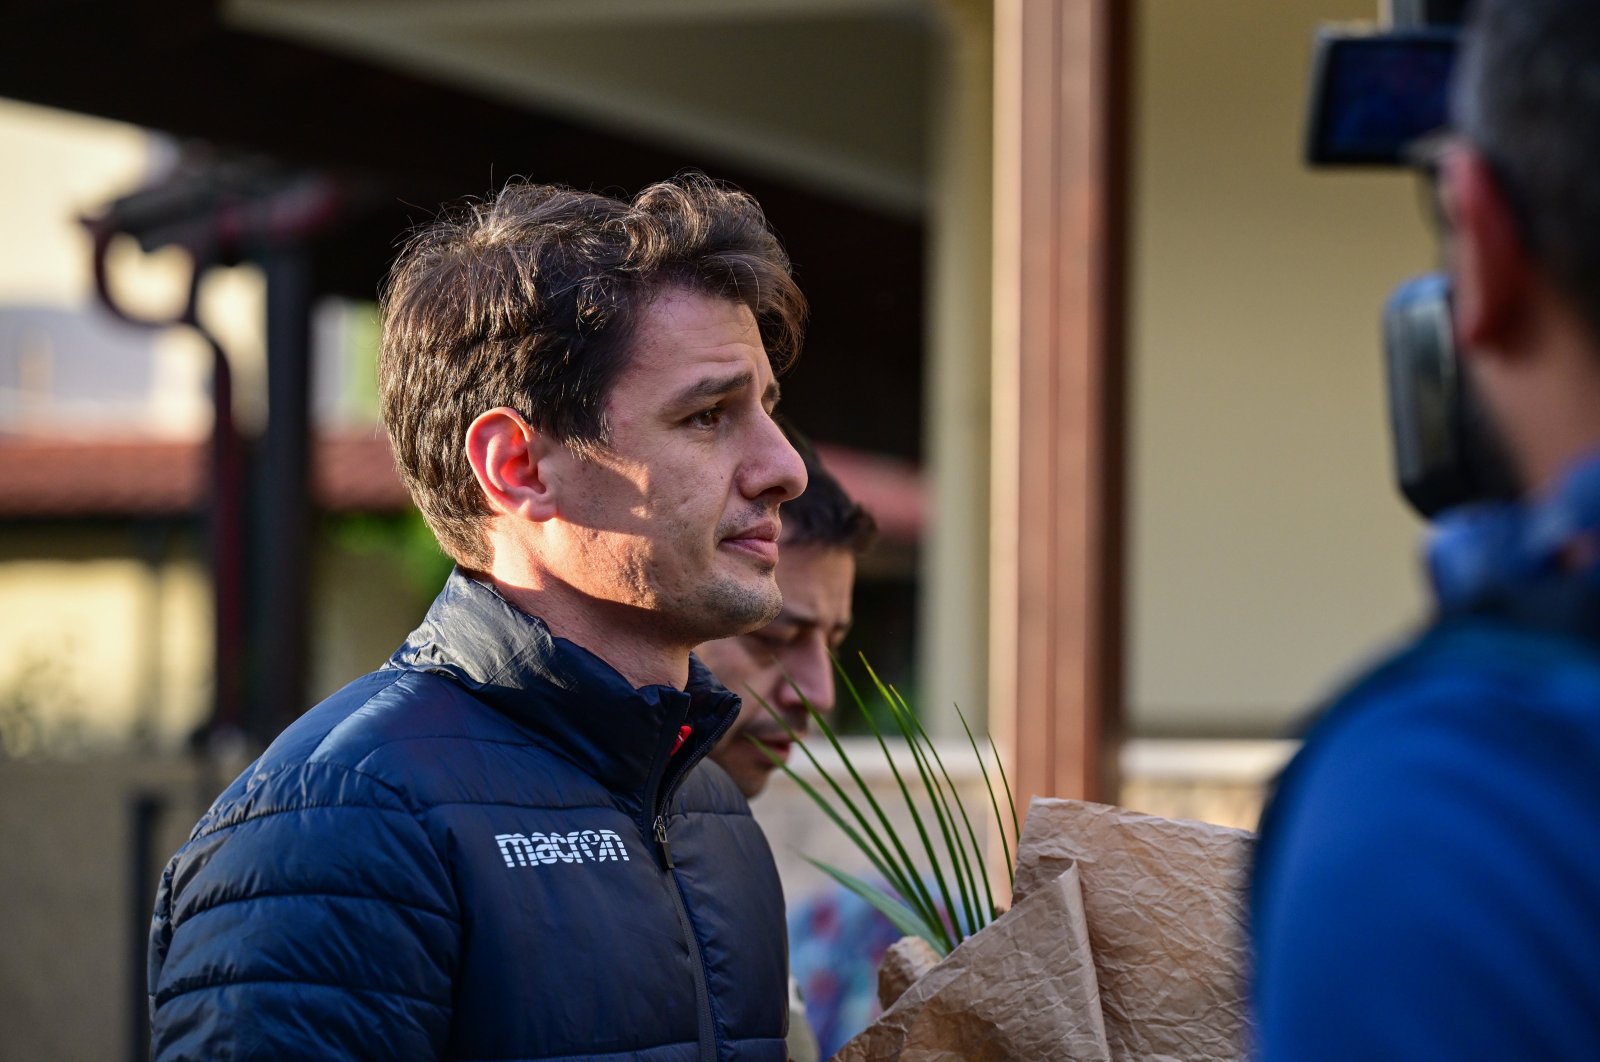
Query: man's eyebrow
x=773 y=395
x=809 y=619
x=786 y=618
x=712 y=387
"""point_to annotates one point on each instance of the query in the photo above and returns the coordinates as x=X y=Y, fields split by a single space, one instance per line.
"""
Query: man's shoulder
x=394 y=737
x=1468 y=673
x=1473 y=723
x=1454 y=785
x=386 y=712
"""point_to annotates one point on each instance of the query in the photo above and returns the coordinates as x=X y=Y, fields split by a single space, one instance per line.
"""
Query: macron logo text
x=580 y=846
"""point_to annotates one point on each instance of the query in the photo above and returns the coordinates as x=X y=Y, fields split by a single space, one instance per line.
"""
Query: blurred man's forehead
x=817 y=582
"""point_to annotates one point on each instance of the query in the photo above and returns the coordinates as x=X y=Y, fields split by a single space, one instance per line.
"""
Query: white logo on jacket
x=533 y=849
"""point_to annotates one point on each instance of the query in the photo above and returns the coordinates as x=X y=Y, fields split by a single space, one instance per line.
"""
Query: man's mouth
x=779 y=746
x=758 y=539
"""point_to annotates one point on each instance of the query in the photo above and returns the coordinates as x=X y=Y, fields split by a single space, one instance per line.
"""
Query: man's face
x=672 y=528
x=816 y=582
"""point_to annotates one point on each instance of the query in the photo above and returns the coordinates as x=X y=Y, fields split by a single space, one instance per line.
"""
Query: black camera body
x=1446 y=450
x=1375 y=93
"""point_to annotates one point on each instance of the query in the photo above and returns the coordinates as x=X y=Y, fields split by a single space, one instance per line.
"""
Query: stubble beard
x=725 y=607
x=727 y=604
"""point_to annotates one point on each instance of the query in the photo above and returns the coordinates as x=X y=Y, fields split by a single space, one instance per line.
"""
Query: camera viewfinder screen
x=1374 y=95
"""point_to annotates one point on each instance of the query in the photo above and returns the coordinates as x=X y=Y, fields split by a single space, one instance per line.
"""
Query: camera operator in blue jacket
x=1428 y=878
x=497 y=845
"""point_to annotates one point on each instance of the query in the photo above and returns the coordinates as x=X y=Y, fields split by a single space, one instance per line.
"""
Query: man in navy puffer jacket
x=498 y=845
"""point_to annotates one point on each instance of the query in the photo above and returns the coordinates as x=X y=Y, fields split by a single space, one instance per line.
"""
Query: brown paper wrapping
x=903 y=966
x=1125 y=941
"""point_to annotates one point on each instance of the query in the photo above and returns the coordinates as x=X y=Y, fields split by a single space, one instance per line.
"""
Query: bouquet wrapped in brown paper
x=1125 y=941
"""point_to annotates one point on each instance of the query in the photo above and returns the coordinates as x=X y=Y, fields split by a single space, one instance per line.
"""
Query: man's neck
x=1551 y=406
x=619 y=635
x=1562 y=424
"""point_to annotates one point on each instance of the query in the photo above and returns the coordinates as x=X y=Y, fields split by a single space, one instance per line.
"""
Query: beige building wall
x=1269 y=552
x=66 y=166
x=59 y=165
x=102 y=644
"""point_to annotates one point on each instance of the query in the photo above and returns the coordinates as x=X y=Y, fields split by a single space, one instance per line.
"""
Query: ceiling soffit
x=828 y=93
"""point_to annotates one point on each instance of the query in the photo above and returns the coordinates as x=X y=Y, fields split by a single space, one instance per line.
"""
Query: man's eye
x=765 y=644
x=708 y=418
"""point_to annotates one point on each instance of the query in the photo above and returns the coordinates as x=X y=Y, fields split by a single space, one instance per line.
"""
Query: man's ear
x=509 y=458
x=1490 y=268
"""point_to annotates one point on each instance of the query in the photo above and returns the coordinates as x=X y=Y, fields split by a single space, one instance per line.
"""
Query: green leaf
x=980 y=879
x=936 y=869
x=1011 y=801
x=917 y=887
x=960 y=866
x=894 y=909
x=902 y=874
x=913 y=909
x=877 y=853
x=1005 y=846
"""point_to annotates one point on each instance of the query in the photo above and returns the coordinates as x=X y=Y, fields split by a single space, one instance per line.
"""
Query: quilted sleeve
x=314 y=919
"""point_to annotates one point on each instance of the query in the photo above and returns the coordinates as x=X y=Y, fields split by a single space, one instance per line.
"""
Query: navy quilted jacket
x=485 y=850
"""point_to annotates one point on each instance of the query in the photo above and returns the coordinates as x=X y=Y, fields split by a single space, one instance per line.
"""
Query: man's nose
x=810 y=676
x=774 y=468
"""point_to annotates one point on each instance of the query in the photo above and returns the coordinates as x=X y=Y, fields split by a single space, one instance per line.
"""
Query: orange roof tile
x=53 y=478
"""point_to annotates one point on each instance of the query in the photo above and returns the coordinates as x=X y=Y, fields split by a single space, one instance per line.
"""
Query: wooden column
x=1056 y=577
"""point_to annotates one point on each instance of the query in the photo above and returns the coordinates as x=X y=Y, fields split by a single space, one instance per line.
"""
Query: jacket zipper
x=706 y=1022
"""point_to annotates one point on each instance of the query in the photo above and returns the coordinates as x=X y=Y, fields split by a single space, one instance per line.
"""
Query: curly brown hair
x=528 y=299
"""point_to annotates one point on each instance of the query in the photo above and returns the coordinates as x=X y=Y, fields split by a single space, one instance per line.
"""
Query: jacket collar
x=571 y=699
x=1478 y=554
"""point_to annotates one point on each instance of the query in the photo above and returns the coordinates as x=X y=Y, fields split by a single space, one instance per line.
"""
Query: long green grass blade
x=925 y=900
x=916 y=817
x=889 y=873
x=982 y=894
x=960 y=866
x=923 y=895
x=908 y=881
x=904 y=918
x=999 y=822
x=914 y=910
x=951 y=913
x=818 y=798
x=936 y=867
x=1011 y=801
x=902 y=874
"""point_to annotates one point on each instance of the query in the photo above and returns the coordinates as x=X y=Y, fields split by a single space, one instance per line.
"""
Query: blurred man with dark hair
x=497 y=845
x=788 y=662
x=1428 y=878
